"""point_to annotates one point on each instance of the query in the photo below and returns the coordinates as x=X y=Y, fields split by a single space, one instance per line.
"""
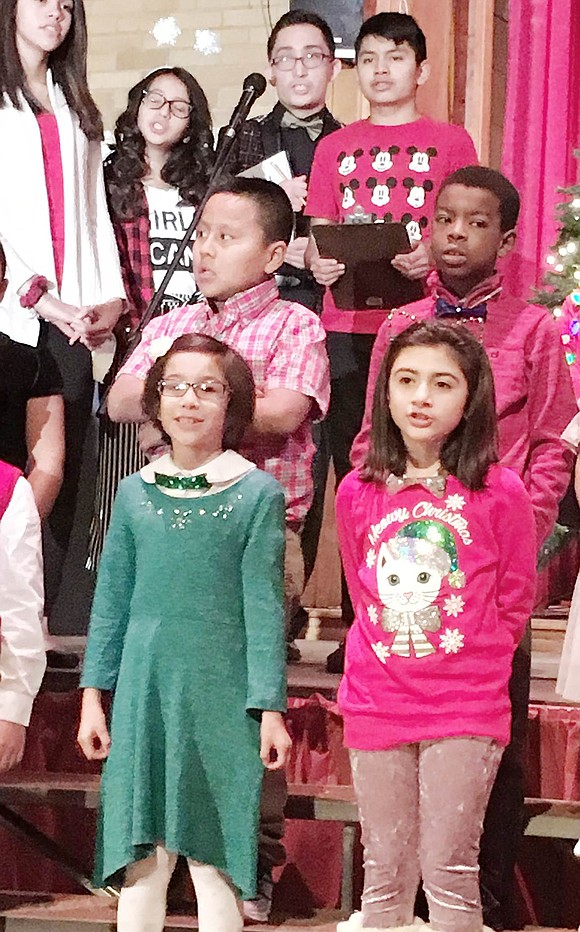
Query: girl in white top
x=65 y=285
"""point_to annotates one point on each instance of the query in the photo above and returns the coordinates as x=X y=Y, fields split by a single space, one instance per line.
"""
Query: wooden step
x=37 y=913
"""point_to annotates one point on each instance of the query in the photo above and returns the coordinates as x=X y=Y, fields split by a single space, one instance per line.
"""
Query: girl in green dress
x=187 y=631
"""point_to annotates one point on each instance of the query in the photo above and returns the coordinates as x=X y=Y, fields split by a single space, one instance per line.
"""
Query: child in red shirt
x=388 y=167
x=438 y=547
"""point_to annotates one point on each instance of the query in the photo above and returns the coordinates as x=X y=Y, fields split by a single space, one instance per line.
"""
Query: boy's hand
x=295 y=252
x=327 y=271
x=415 y=264
x=93 y=735
x=12 y=741
x=274 y=737
x=296 y=189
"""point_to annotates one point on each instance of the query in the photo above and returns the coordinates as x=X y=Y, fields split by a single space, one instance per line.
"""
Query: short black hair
x=275 y=214
x=237 y=375
x=472 y=448
x=2 y=263
x=301 y=18
x=478 y=176
x=400 y=27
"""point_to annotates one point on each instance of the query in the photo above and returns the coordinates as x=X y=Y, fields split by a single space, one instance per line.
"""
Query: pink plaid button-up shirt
x=284 y=345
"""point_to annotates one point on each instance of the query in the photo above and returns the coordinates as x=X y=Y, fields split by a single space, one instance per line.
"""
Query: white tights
x=143 y=899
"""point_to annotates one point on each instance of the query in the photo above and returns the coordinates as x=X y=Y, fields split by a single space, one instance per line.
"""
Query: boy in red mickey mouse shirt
x=390 y=165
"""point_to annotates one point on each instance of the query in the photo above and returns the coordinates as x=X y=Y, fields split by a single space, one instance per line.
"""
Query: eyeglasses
x=310 y=60
x=208 y=390
x=155 y=100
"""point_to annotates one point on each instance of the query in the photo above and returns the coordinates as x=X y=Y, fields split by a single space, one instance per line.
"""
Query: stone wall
x=122 y=49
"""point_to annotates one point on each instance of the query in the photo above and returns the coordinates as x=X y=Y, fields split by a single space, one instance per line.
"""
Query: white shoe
x=354 y=923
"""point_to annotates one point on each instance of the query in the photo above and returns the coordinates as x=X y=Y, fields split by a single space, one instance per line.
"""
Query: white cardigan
x=91 y=271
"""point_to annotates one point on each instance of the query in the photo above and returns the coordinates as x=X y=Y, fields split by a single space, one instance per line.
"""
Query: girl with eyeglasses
x=65 y=288
x=187 y=629
x=156 y=176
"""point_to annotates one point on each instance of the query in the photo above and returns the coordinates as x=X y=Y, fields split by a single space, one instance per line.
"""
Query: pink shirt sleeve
x=514 y=524
x=347 y=526
x=462 y=150
x=551 y=407
x=300 y=362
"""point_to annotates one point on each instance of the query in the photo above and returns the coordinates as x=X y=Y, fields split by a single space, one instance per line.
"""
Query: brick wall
x=122 y=49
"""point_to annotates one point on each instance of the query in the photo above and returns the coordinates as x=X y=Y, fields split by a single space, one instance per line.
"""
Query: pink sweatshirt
x=534 y=397
x=442 y=589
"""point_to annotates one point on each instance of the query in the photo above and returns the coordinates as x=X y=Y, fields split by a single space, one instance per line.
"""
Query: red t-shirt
x=50 y=139
x=392 y=173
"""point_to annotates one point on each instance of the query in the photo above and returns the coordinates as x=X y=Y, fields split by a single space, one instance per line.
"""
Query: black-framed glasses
x=310 y=60
x=156 y=100
x=208 y=390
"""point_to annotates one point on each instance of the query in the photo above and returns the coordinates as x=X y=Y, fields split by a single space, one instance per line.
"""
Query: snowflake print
x=454 y=605
x=451 y=640
x=381 y=650
x=455 y=502
x=371 y=559
x=373 y=615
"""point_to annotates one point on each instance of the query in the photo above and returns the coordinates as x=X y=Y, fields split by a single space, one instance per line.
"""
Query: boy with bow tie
x=475 y=215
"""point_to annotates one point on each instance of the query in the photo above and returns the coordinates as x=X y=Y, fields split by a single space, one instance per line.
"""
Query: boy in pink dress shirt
x=473 y=226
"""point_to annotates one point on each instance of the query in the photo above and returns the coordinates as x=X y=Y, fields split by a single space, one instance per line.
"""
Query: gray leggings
x=421 y=810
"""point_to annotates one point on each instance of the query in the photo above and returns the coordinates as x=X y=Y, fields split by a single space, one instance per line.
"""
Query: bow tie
x=182 y=483
x=444 y=309
x=433 y=484
x=313 y=127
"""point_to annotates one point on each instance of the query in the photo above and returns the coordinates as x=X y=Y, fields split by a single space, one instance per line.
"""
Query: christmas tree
x=562 y=280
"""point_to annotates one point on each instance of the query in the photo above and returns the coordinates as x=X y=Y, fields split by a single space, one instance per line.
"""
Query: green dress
x=187 y=629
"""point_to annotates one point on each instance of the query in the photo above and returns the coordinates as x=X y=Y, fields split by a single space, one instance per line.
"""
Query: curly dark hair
x=189 y=163
x=236 y=373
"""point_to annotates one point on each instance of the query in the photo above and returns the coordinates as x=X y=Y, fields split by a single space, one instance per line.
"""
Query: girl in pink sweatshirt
x=438 y=545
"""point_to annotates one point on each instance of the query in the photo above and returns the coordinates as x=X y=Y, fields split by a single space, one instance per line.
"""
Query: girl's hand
x=99 y=321
x=12 y=741
x=69 y=319
x=274 y=737
x=93 y=736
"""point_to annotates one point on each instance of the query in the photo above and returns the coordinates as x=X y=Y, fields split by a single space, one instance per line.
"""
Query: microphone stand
x=222 y=156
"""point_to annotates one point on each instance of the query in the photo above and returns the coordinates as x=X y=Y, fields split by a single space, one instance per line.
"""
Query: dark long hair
x=237 y=375
x=68 y=64
x=188 y=165
x=471 y=448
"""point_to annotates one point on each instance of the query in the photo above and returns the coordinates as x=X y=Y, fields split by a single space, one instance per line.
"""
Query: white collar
x=221 y=472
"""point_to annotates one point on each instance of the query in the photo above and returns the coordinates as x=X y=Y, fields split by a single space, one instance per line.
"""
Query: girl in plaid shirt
x=156 y=176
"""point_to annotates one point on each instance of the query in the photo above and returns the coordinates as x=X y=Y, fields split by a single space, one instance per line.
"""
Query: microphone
x=253 y=87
